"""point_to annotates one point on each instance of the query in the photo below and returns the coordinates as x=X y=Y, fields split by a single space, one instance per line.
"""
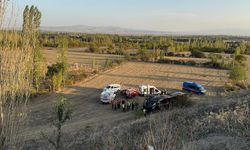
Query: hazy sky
x=201 y=16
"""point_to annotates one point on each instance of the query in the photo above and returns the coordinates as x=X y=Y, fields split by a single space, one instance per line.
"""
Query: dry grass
x=15 y=80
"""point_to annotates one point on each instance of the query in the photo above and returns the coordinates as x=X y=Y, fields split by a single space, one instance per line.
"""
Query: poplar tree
x=63 y=57
x=26 y=13
x=31 y=23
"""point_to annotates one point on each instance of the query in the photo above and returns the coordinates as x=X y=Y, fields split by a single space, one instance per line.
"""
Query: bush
x=182 y=101
x=76 y=77
x=229 y=87
x=241 y=59
x=170 y=54
x=242 y=85
x=108 y=63
x=197 y=54
x=191 y=63
x=144 y=55
x=238 y=73
x=118 y=61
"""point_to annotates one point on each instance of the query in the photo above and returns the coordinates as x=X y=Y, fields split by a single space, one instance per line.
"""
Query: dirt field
x=80 y=57
x=87 y=110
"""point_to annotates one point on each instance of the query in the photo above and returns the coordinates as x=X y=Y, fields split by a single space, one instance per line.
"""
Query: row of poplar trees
x=31 y=23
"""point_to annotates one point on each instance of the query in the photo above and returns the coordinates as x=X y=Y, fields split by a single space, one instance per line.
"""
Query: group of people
x=125 y=105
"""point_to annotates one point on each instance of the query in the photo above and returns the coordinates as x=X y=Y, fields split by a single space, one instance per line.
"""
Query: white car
x=109 y=93
x=113 y=87
x=145 y=90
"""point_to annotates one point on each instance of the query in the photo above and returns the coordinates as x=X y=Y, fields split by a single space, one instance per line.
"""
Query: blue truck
x=193 y=87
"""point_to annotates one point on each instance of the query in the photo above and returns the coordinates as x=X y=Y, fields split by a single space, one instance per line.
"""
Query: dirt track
x=87 y=110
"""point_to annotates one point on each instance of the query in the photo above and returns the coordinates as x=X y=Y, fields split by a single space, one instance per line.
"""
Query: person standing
x=115 y=104
x=128 y=105
x=123 y=106
x=112 y=105
x=133 y=105
x=118 y=104
x=145 y=112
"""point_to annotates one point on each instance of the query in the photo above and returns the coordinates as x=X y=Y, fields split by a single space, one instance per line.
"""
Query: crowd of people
x=124 y=105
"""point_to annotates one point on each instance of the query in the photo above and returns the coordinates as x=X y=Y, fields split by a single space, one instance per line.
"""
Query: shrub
x=191 y=63
x=242 y=85
x=241 y=59
x=144 y=55
x=229 y=87
x=182 y=101
x=118 y=61
x=238 y=73
x=170 y=54
x=108 y=63
x=197 y=54
x=75 y=77
x=93 y=48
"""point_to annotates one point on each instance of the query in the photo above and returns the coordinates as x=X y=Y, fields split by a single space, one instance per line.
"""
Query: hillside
x=102 y=30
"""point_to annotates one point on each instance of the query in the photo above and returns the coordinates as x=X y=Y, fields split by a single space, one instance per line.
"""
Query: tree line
x=164 y=43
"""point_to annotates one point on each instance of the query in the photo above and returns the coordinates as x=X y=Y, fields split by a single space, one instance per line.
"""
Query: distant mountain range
x=102 y=30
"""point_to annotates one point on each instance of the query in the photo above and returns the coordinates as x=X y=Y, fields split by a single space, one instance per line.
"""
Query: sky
x=182 y=16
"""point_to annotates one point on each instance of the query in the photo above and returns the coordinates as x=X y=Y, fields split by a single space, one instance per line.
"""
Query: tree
x=237 y=51
x=63 y=57
x=26 y=25
x=243 y=48
x=55 y=76
x=144 y=55
x=198 y=54
x=31 y=23
x=62 y=113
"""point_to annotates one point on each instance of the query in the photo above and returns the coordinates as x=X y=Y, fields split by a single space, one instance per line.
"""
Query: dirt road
x=87 y=110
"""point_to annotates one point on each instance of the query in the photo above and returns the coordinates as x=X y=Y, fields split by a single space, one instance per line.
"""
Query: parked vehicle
x=113 y=87
x=109 y=93
x=107 y=96
x=193 y=87
x=145 y=90
x=130 y=92
x=154 y=103
x=176 y=94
